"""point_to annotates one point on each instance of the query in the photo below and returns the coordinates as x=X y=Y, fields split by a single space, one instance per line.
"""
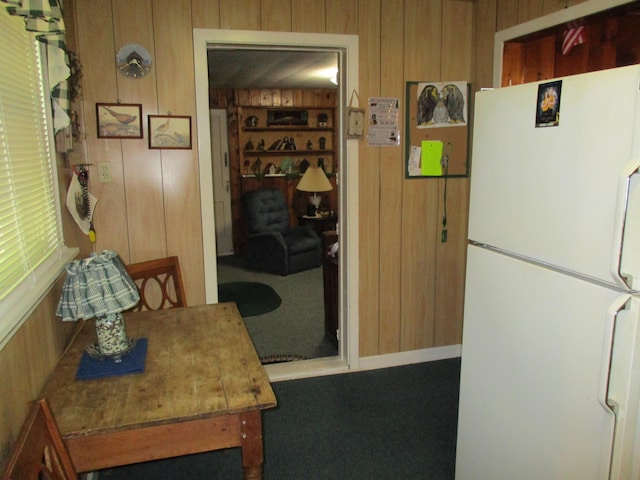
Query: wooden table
x=203 y=388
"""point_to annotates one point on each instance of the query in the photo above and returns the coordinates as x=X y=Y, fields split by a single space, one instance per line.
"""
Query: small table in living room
x=320 y=223
x=203 y=388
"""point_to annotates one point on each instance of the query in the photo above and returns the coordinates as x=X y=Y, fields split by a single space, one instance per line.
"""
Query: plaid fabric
x=44 y=17
x=96 y=286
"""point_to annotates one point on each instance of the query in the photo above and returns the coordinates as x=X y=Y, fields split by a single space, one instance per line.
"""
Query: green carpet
x=251 y=298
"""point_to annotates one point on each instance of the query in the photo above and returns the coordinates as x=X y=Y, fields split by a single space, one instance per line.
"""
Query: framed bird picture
x=119 y=120
x=437 y=129
x=170 y=132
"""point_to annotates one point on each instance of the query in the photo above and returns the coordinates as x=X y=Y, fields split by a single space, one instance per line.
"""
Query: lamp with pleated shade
x=99 y=287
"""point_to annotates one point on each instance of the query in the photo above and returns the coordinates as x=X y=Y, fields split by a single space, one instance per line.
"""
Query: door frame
x=347 y=48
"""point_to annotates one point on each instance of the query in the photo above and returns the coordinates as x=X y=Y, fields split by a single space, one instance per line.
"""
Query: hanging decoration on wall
x=170 y=131
x=80 y=202
x=436 y=130
x=133 y=61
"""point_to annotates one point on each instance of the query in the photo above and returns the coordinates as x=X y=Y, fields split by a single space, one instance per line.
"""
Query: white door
x=536 y=349
x=221 y=183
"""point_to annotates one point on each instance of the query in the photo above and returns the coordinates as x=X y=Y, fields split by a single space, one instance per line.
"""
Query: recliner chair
x=272 y=244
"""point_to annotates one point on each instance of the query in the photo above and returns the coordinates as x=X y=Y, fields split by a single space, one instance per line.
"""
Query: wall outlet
x=104 y=172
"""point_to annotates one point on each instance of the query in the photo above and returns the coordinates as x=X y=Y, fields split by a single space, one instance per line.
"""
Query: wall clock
x=133 y=61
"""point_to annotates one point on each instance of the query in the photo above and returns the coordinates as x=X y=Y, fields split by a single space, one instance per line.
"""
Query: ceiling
x=254 y=68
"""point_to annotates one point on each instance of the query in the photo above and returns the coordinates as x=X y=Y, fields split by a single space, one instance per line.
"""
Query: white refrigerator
x=550 y=371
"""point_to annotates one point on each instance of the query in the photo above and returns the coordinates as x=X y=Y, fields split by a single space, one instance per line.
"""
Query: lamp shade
x=96 y=286
x=314 y=180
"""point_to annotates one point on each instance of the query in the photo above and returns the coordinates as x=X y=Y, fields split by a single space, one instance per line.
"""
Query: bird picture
x=440 y=106
x=123 y=118
x=119 y=121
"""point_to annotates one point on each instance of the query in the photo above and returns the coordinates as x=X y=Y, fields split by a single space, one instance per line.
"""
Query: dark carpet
x=252 y=298
x=394 y=423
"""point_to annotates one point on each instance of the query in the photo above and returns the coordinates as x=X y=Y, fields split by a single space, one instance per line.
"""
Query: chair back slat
x=39 y=451
x=159 y=283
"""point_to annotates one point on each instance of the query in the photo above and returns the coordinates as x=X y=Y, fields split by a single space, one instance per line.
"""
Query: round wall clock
x=133 y=61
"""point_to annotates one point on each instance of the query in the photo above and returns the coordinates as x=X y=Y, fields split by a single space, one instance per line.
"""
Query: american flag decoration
x=573 y=35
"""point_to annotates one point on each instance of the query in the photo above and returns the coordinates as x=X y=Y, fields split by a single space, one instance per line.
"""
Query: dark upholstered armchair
x=272 y=244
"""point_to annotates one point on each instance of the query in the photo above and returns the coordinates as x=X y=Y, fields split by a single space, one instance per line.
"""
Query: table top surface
x=200 y=363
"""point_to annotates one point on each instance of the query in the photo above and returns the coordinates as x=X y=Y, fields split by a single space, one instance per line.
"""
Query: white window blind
x=31 y=241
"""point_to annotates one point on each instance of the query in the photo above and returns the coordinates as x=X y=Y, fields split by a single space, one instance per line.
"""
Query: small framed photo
x=548 y=104
x=355 y=122
x=119 y=120
x=170 y=131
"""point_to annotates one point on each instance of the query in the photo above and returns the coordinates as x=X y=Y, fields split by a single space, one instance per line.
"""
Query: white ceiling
x=253 y=68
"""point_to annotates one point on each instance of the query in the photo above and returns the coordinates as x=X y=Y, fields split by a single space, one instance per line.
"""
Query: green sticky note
x=430 y=158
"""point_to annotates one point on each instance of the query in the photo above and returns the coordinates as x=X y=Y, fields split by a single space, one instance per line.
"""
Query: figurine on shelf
x=309 y=145
x=261 y=145
x=248 y=146
x=322 y=142
x=247 y=165
x=256 y=166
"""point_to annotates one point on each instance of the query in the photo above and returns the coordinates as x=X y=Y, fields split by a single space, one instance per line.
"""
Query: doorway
x=346 y=46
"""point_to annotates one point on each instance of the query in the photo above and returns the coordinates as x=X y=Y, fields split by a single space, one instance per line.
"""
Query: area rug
x=252 y=298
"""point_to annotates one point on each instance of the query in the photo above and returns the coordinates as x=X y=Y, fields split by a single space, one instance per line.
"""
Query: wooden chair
x=160 y=284
x=39 y=451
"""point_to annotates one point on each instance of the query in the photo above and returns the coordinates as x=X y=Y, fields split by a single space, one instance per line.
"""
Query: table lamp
x=99 y=287
x=314 y=180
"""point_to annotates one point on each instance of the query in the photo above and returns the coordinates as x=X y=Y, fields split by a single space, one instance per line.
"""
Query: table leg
x=251 y=443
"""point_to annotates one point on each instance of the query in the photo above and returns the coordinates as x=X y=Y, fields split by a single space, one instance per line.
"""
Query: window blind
x=30 y=232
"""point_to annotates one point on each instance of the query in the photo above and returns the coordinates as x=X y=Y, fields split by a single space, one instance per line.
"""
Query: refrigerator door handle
x=624 y=279
x=622 y=387
x=609 y=402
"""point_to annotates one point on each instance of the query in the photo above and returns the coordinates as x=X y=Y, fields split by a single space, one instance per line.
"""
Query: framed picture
x=355 y=122
x=170 y=132
x=287 y=117
x=548 y=104
x=119 y=120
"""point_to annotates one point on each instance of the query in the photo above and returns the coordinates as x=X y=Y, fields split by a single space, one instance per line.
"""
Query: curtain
x=44 y=18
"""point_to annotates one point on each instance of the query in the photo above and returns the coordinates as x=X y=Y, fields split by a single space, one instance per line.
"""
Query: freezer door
x=535 y=360
x=551 y=193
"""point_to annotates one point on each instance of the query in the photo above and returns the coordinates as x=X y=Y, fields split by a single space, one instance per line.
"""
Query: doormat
x=252 y=298
x=270 y=359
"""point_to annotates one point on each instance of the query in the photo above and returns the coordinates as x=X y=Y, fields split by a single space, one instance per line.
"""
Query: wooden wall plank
x=369 y=181
x=205 y=13
x=276 y=15
x=240 y=15
x=506 y=14
x=451 y=255
x=529 y=9
x=484 y=32
x=420 y=196
x=342 y=16
x=308 y=16
x=97 y=54
x=133 y=23
x=391 y=172
x=181 y=188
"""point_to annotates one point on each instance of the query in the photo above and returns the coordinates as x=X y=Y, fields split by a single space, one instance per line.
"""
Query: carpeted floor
x=296 y=327
x=395 y=423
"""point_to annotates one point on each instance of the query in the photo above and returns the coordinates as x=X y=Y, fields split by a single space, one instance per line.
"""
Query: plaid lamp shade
x=96 y=286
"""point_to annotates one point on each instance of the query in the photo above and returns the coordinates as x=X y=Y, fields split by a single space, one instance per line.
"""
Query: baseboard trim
x=408 y=358
x=333 y=365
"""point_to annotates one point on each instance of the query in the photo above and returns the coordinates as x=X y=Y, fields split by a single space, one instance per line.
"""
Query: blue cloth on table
x=132 y=362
